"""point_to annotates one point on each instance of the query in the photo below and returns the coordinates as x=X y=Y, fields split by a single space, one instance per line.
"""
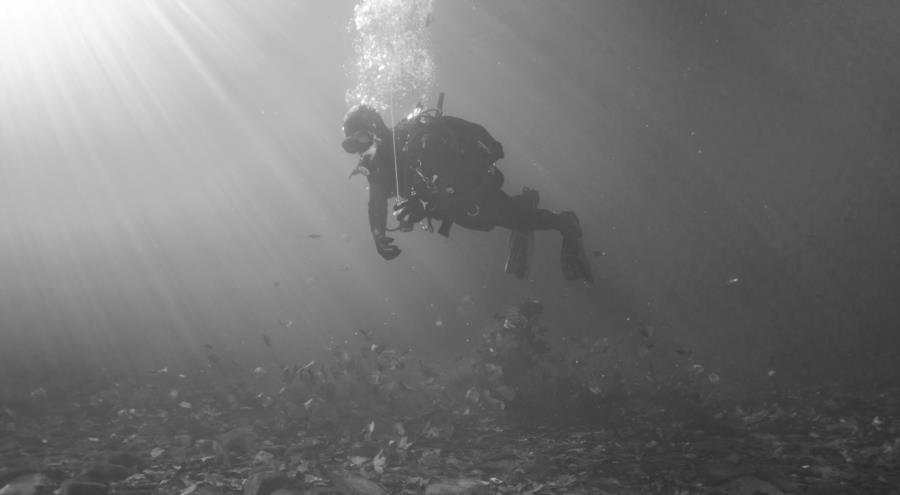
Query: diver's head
x=362 y=125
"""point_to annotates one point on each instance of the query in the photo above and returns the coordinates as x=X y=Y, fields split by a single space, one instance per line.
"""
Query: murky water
x=171 y=176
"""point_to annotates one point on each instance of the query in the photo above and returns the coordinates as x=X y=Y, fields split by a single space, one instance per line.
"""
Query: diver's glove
x=385 y=246
x=410 y=211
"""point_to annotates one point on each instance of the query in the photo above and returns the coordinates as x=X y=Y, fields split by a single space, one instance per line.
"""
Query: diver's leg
x=520 y=215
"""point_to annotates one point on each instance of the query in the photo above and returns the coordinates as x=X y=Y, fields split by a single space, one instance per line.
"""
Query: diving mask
x=358 y=142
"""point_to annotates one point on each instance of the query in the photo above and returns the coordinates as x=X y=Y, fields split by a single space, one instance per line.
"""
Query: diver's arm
x=378 y=204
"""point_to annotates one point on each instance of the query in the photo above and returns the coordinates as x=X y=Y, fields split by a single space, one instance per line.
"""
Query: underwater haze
x=172 y=181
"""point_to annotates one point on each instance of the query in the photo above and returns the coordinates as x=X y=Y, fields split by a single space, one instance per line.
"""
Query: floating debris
x=363 y=423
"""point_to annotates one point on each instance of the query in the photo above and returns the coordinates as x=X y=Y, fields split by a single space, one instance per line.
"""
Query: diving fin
x=574 y=260
x=521 y=244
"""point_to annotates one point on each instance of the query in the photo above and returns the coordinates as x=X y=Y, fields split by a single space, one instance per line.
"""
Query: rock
x=106 y=473
x=9 y=475
x=305 y=448
x=355 y=484
x=750 y=485
x=431 y=458
x=207 y=490
x=719 y=472
x=25 y=483
x=125 y=459
x=262 y=458
x=265 y=483
x=74 y=487
x=365 y=449
x=462 y=486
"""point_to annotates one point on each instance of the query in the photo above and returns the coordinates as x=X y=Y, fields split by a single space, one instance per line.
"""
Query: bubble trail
x=393 y=62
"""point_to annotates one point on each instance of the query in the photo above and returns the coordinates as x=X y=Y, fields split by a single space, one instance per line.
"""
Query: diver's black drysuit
x=451 y=186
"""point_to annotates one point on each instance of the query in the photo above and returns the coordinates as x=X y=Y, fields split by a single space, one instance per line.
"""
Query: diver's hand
x=410 y=211
x=385 y=246
x=440 y=203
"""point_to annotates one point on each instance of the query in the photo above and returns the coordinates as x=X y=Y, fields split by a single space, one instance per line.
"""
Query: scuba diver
x=444 y=168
